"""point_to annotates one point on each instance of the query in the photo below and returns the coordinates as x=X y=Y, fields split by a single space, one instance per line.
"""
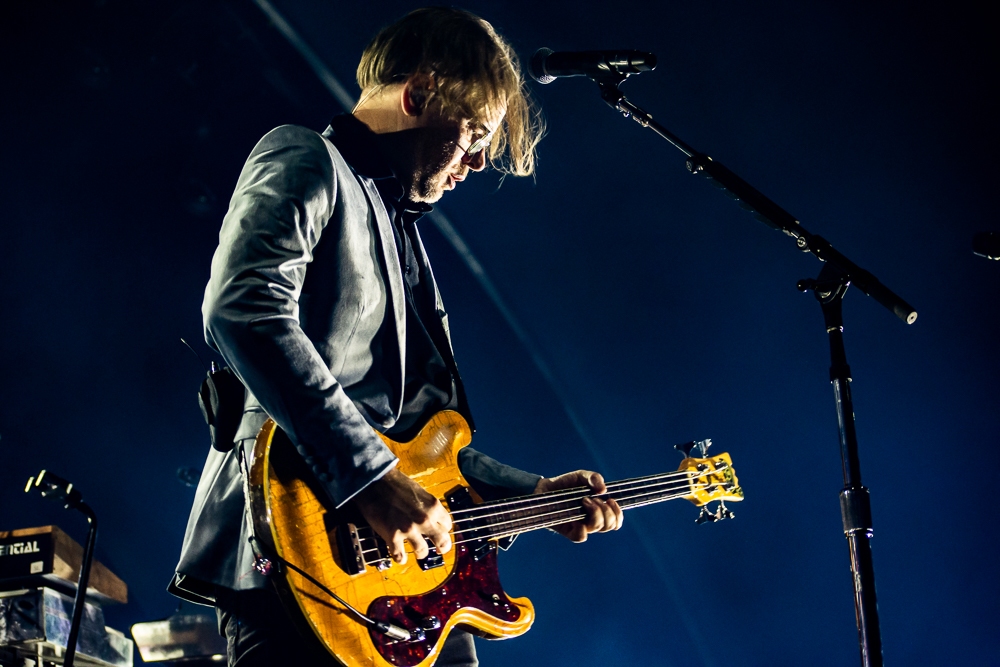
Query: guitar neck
x=520 y=515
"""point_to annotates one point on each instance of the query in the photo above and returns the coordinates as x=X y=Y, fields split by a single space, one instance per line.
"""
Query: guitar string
x=531 y=499
x=575 y=516
x=560 y=517
x=652 y=485
x=578 y=512
x=571 y=501
x=555 y=522
x=567 y=502
x=487 y=510
x=618 y=490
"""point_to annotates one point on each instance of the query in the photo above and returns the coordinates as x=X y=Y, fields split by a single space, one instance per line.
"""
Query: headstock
x=710 y=478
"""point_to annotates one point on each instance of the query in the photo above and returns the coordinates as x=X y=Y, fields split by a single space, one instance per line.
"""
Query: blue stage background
x=665 y=312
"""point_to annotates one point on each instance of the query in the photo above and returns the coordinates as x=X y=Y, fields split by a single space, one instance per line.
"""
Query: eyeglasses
x=480 y=144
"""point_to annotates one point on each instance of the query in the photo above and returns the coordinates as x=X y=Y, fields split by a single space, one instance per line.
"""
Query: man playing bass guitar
x=322 y=301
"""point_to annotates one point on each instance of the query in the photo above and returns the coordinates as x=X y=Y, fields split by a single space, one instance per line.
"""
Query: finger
x=547 y=484
x=596 y=482
x=567 y=480
x=440 y=516
x=619 y=514
x=574 y=532
x=438 y=527
x=418 y=543
x=594 y=521
x=441 y=539
x=399 y=548
x=610 y=520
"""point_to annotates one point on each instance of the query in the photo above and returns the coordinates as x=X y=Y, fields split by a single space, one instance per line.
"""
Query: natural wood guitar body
x=294 y=513
x=421 y=602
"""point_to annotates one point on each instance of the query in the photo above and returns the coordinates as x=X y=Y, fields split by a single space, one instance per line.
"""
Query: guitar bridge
x=349 y=546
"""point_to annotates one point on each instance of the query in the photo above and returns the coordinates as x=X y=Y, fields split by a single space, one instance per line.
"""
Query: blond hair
x=475 y=71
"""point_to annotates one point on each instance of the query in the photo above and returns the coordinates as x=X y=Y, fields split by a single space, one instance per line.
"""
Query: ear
x=416 y=93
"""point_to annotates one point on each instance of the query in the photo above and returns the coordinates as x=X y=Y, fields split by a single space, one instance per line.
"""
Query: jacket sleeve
x=284 y=198
x=493 y=480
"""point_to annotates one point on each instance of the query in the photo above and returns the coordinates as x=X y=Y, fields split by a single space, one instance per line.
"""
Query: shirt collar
x=359 y=147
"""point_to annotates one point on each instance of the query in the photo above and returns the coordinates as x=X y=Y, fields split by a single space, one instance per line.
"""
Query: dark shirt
x=431 y=382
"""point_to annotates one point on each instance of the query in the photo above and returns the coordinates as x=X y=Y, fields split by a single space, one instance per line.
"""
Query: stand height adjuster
x=856 y=511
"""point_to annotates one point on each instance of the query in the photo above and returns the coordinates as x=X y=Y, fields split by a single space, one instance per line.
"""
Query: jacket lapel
x=442 y=320
x=394 y=281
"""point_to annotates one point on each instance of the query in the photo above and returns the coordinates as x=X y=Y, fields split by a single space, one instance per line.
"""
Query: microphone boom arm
x=760 y=206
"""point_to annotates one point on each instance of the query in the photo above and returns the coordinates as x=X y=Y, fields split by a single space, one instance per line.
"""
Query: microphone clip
x=616 y=99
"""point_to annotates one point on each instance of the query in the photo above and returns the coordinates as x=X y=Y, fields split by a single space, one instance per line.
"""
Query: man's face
x=440 y=160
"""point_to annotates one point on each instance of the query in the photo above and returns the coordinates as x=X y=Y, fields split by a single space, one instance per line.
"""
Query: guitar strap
x=262 y=562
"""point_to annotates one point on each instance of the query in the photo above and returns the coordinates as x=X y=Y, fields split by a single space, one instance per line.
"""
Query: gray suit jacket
x=306 y=304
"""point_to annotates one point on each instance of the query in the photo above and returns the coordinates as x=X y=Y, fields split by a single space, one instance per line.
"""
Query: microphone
x=546 y=65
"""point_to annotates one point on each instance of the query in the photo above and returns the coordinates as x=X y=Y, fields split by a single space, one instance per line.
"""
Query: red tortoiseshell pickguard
x=473 y=584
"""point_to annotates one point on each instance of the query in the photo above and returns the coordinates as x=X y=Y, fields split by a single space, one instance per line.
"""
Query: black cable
x=389 y=629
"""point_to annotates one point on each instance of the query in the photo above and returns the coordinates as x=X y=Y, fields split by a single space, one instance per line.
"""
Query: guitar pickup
x=433 y=560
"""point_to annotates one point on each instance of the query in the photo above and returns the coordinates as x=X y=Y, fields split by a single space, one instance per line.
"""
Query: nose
x=475 y=162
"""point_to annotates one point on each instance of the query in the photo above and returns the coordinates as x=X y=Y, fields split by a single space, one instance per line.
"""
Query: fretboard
x=526 y=513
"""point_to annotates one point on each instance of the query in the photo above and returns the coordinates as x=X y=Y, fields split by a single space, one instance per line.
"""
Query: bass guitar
x=370 y=611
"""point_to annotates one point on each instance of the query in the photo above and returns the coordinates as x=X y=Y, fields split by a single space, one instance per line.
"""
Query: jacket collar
x=360 y=148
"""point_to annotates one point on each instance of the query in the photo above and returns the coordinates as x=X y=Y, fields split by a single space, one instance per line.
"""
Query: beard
x=433 y=160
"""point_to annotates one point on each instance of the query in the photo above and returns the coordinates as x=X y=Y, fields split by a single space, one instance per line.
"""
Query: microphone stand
x=837 y=274
x=58 y=489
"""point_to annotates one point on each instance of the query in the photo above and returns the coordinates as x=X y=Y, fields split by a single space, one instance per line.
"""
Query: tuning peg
x=701 y=445
x=685 y=449
x=705 y=516
x=720 y=513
